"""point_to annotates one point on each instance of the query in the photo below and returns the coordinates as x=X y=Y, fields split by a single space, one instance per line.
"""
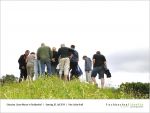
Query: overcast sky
x=120 y=30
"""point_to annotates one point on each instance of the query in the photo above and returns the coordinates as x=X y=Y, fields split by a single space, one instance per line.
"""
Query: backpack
x=107 y=72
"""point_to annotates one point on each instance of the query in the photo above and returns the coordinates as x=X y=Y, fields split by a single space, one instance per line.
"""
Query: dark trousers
x=73 y=67
x=23 y=74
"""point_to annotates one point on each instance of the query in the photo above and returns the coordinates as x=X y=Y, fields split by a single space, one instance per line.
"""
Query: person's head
x=73 y=46
x=84 y=57
x=98 y=52
x=33 y=53
x=27 y=52
x=42 y=44
x=54 y=49
x=62 y=45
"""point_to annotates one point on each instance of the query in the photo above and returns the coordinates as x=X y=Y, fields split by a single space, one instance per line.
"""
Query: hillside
x=54 y=88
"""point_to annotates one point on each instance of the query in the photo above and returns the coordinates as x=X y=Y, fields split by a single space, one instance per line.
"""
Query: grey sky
x=130 y=61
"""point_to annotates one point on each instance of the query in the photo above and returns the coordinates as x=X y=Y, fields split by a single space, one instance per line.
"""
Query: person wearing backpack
x=88 y=68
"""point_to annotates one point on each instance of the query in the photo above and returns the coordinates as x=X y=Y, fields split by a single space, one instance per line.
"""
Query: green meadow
x=54 y=88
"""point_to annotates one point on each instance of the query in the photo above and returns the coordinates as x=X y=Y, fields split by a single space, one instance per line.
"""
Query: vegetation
x=136 y=90
x=8 y=79
x=54 y=88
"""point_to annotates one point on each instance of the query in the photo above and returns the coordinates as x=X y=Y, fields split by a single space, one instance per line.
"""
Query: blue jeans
x=48 y=64
x=37 y=68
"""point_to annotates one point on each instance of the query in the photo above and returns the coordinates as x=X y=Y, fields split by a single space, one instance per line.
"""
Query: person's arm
x=20 y=61
x=93 y=61
x=38 y=56
x=105 y=64
x=78 y=56
x=50 y=53
x=58 y=53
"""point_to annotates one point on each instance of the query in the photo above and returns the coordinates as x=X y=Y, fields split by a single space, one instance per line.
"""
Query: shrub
x=136 y=90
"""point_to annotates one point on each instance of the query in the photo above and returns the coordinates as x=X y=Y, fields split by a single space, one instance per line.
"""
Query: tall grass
x=54 y=88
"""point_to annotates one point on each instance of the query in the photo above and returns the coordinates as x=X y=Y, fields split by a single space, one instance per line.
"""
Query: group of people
x=63 y=62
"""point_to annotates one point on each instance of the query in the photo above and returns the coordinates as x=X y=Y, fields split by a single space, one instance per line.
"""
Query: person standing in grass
x=44 y=55
x=22 y=65
x=54 y=61
x=99 y=63
x=64 y=53
x=74 y=63
x=88 y=68
x=30 y=66
x=37 y=68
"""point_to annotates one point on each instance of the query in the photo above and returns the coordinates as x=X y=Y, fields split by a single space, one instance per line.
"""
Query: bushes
x=137 y=90
x=8 y=79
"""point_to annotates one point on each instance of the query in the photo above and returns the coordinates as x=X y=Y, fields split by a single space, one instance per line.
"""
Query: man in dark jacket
x=64 y=53
x=22 y=65
x=74 y=63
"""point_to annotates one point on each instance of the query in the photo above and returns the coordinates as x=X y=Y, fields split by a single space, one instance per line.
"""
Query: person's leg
x=53 y=69
x=48 y=64
x=32 y=72
x=94 y=80
x=28 y=72
x=66 y=68
x=101 y=76
x=93 y=75
x=75 y=69
x=71 y=70
x=61 y=66
x=21 y=75
x=89 y=76
x=39 y=67
x=102 y=82
x=86 y=75
x=36 y=69
x=25 y=73
x=42 y=67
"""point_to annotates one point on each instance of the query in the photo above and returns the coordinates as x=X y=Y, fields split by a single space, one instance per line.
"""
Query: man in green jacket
x=44 y=54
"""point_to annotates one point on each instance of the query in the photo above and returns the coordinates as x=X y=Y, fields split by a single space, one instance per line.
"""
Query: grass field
x=54 y=88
